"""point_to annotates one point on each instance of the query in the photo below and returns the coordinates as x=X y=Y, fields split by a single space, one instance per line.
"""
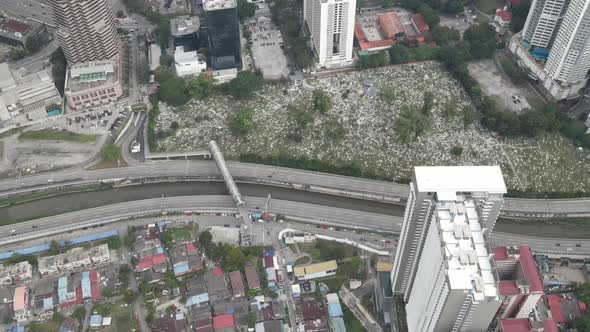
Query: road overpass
x=274 y=176
x=303 y=212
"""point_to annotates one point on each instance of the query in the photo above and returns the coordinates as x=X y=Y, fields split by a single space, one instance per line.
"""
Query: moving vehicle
x=135 y=147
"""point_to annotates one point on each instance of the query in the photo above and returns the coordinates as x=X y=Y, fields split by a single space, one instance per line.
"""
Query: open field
x=366 y=117
x=57 y=135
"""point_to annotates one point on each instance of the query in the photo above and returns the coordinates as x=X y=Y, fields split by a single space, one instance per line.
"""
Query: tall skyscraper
x=85 y=29
x=223 y=30
x=555 y=45
x=484 y=186
x=569 y=59
x=543 y=22
x=455 y=285
x=331 y=23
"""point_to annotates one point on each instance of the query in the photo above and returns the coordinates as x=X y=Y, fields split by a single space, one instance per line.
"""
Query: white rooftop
x=452 y=179
x=467 y=257
x=181 y=56
x=218 y=4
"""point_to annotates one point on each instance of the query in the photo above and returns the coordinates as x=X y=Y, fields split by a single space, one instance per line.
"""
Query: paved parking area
x=266 y=49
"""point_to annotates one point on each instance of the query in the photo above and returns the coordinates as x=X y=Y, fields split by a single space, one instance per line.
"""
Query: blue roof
x=62 y=289
x=45 y=247
x=338 y=324
x=95 y=320
x=86 y=293
x=196 y=299
x=180 y=269
x=48 y=303
x=18 y=328
x=334 y=309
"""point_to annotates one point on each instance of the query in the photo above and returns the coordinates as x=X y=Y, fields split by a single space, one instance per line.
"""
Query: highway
x=303 y=212
x=277 y=176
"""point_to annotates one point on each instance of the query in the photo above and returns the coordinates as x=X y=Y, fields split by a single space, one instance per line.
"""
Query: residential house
x=237 y=285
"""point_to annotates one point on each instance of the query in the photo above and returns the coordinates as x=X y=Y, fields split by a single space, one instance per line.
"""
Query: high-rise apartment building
x=569 y=59
x=223 y=31
x=86 y=30
x=543 y=22
x=555 y=45
x=331 y=25
x=484 y=186
x=455 y=285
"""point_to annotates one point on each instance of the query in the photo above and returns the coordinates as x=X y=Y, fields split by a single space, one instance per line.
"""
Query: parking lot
x=267 y=53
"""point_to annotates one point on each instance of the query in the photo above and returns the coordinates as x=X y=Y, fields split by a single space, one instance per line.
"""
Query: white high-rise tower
x=482 y=184
x=443 y=266
x=331 y=25
x=569 y=58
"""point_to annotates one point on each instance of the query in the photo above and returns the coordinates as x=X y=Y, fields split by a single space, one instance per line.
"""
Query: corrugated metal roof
x=338 y=324
x=334 y=309
x=95 y=320
x=86 y=292
x=181 y=269
x=48 y=303
x=197 y=299
x=301 y=271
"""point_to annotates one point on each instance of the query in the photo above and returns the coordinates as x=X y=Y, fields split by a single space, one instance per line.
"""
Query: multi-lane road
x=303 y=212
x=278 y=176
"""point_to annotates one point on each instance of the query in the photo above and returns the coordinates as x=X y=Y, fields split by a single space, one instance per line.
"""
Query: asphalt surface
x=271 y=175
x=304 y=212
x=79 y=201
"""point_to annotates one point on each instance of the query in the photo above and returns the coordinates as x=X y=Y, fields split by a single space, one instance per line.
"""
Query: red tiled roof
x=374 y=44
x=419 y=23
x=500 y=253
x=223 y=321
x=506 y=16
x=252 y=277
x=93 y=276
x=311 y=310
x=358 y=32
x=158 y=259
x=237 y=285
x=390 y=24
x=268 y=262
x=508 y=287
x=203 y=325
x=515 y=325
x=217 y=272
x=15 y=26
x=190 y=247
x=94 y=291
x=582 y=306
x=529 y=269
x=555 y=307
x=549 y=325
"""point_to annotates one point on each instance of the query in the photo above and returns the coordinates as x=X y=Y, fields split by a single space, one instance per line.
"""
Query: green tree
x=301 y=54
x=114 y=243
x=129 y=296
x=107 y=292
x=120 y=14
x=429 y=15
x=361 y=4
x=57 y=317
x=516 y=73
x=245 y=84
x=454 y=6
x=444 y=36
x=110 y=152
x=234 y=259
x=456 y=151
x=242 y=121
x=399 y=54
x=373 y=60
x=410 y=124
x=79 y=314
x=16 y=54
x=481 y=39
x=321 y=101
x=245 y=9
x=170 y=280
x=299 y=115
x=32 y=45
x=200 y=87
x=58 y=69
x=166 y=60
x=428 y=103
x=252 y=292
x=355 y=263
x=172 y=92
x=335 y=131
x=205 y=238
x=54 y=247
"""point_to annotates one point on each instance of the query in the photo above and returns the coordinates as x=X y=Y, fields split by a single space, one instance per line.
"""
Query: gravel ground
x=547 y=163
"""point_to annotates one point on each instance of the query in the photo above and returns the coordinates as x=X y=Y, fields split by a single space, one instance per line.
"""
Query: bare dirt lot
x=494 y=83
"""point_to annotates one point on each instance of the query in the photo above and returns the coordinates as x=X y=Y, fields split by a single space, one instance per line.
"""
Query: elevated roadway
x=274 y=176
x=308 y=213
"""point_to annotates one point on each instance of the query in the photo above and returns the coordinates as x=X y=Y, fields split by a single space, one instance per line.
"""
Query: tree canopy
x=200 y=87
x=429 y=15
x=234 y=259
x=321 y=101
x=205 y=238
x=481 y=39
x=242 y=121
x=410 y=124
x=245 y=84
x=245 y=9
